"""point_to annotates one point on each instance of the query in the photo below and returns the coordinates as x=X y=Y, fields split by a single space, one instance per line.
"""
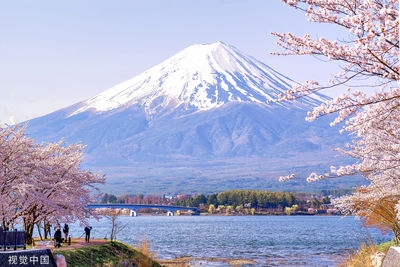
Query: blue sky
x=56 y=53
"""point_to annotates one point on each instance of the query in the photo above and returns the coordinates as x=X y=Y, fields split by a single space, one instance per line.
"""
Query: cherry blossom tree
x=378 y=152
x=56 y=188
x=15 y=151
x=370 y=58
x=43 y=181
x=370 y=55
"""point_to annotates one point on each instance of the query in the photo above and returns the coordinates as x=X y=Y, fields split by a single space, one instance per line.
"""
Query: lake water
x=268 y=240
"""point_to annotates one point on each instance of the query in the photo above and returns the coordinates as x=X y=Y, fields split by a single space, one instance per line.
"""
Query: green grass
x=109 y=254
x=383 y=247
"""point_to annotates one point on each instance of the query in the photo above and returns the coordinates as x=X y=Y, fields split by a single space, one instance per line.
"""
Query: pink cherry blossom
x=371 y=60
x=42 y=181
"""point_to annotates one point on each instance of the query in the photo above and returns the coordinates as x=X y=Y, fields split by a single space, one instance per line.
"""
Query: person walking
x=66 y=231
x=87 y=232
x=57 y=238
x=47 y=230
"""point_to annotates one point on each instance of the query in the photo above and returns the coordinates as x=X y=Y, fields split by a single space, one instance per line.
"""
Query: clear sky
x=56 y=53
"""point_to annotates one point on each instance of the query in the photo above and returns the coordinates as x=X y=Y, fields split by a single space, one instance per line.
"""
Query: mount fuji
x=201 y=121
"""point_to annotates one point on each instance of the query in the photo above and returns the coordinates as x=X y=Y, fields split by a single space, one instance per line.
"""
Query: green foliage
x=253 y=211
x=199 y=199
x=109 y=198
x=229 y=209
x=326 y=200
x=315 y=203
x=292 y=210
x=288 y=211
x=247 y=198
x=239 y=209
x=212 y=199
x=211 y=208
x=383 y=247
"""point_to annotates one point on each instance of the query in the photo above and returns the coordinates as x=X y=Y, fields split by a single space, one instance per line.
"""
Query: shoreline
x=203 y=260
x=222 y=214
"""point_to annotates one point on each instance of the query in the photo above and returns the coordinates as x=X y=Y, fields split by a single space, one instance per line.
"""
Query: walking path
x=75 y=243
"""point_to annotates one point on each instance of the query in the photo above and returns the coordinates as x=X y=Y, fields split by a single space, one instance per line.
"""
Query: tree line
x=245 y=198
x=248 y=198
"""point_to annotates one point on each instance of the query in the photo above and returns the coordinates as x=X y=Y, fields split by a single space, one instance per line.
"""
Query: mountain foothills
x=201 y=121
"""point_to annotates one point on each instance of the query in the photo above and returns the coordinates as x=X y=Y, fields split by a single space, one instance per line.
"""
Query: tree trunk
x=29 y=233
x=6 y=225
x=112 y=227
x=396 y=232
x=40 y=232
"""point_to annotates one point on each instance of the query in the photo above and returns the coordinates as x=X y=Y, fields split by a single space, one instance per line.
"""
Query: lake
x=268 y=240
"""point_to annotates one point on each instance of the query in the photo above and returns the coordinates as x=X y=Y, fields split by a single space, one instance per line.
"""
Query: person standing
x=87 y=232
x=66 y=231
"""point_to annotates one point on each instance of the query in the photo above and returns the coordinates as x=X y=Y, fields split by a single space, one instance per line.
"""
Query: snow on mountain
x=200 y=77
x=202 y=114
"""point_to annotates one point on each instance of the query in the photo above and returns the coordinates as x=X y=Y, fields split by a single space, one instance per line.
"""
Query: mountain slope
x=204 y=107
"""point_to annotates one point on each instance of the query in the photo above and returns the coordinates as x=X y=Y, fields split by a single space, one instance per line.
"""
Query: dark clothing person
x=66 y=231
x=47 y=232
x=87 y=232
x=58 y=238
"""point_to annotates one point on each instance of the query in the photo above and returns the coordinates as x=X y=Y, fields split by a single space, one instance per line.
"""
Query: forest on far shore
x=240 y=201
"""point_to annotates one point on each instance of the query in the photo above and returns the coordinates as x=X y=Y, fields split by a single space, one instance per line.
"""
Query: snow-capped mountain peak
x=200 y=77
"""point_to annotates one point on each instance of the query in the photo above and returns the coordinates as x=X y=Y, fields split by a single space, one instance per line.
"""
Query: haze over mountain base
x=200 y=176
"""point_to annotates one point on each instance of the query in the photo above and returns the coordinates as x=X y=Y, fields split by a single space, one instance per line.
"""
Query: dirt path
x=75 y=243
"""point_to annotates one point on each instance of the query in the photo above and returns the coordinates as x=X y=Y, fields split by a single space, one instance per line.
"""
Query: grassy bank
x=108 y=254
x=368 y=255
